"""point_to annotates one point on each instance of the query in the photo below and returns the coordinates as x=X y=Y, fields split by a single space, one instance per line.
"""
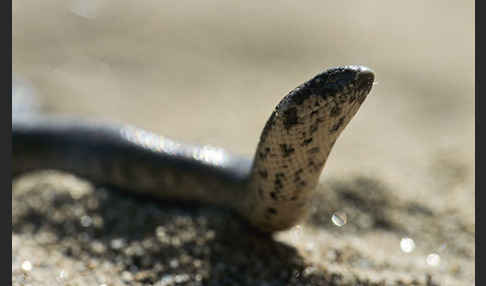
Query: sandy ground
x=211 y=72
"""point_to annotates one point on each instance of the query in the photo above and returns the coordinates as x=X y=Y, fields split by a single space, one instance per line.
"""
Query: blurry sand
x=210 y=72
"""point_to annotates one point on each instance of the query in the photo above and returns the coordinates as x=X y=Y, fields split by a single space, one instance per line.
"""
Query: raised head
x=296 y=142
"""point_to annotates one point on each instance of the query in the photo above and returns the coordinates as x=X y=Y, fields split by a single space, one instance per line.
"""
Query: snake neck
x=296 y=142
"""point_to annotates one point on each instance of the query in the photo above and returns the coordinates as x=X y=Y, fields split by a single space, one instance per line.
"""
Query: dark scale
x=314 y=127
x=278 y=182
x=273 y=195
x=361 y=98
x=286 y=150
x=342 y=98
x=337 y=125
x=297 y=174
x=315 y=166
x=335 y=111
x=269 y=213
x=264 y=153
x=279 y=175
x=290 y=118
x=278 y=186
x=272 y=211
x=306 y=142
x=300 y=183
x=263 y=174
x=311 y=164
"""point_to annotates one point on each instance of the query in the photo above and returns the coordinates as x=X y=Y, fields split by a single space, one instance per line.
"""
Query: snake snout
x=365 y=78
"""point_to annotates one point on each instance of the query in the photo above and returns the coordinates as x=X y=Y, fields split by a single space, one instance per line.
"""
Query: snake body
x=272 y=191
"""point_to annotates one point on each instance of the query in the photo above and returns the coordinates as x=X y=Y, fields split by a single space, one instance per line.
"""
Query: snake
x=272 y=191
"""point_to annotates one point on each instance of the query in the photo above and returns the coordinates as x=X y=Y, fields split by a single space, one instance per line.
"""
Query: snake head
x=296 y=142
x=345 y=82
x=340 y=79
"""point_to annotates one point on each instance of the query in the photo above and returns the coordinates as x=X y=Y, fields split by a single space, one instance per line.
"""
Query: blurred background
x=211 y=72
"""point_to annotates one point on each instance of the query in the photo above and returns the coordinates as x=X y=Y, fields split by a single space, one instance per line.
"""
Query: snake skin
x=272 y=191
